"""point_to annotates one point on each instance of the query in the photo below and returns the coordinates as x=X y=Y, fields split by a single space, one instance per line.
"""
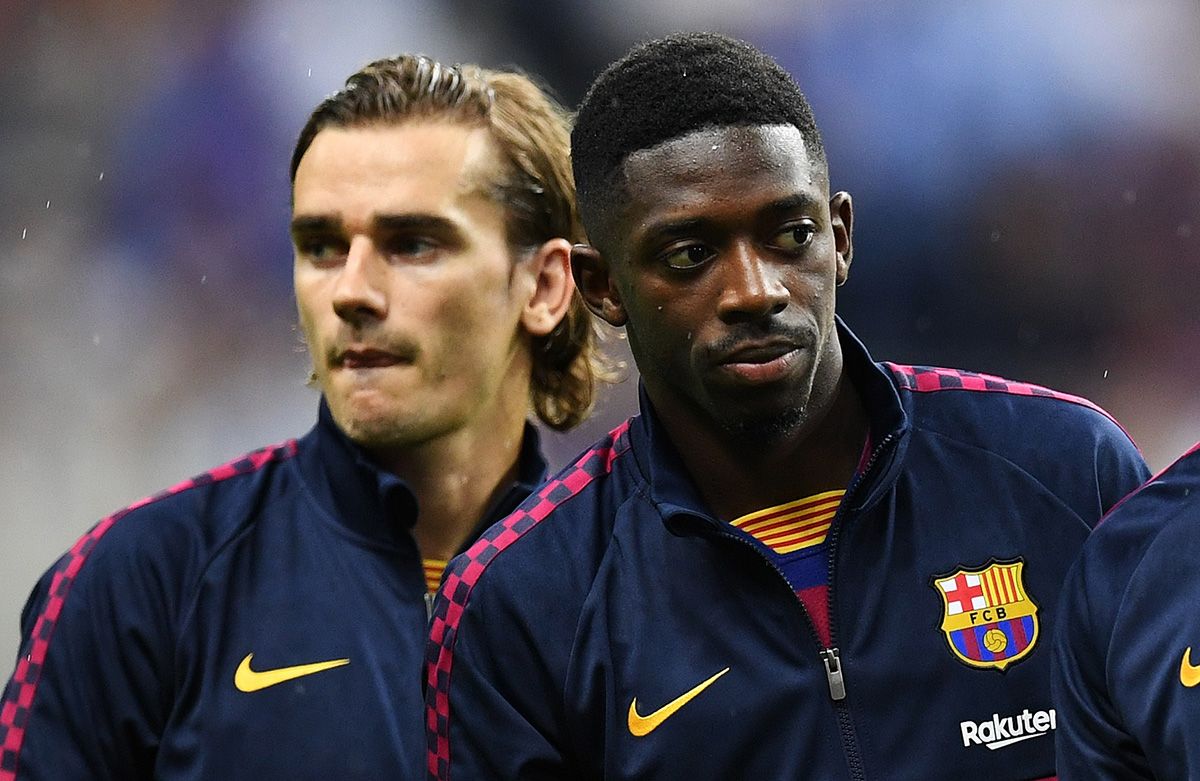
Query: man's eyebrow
x=794 y=202
x=304 y=225
x=669 y=229
x=395 y=223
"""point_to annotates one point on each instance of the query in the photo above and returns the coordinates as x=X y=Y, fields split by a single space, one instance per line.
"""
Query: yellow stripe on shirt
x=433 y=572
x=793 y=526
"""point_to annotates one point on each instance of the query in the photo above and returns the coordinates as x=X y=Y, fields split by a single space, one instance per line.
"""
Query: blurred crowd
x=1026 y=176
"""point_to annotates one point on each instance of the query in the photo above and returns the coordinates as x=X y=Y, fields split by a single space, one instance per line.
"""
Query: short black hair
x=668 y=88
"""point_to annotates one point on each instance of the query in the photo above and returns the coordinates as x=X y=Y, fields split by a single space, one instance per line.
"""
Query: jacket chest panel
x=282 y=664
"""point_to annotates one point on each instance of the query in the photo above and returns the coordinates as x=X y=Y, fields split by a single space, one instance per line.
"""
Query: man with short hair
x=1127 y=652
x=268 y=619
x=796 y=562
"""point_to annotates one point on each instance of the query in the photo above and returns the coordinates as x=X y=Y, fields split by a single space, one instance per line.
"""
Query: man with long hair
x=267 y=619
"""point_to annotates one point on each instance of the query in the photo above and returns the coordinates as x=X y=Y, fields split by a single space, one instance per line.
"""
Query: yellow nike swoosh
x=1189 y=674
x=641 y=726
x=248 y=680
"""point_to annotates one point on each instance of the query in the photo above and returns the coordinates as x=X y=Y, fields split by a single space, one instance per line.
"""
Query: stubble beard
x=770 y=429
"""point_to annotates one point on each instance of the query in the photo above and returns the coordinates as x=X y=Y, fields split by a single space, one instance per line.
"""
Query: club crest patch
x=989 y=619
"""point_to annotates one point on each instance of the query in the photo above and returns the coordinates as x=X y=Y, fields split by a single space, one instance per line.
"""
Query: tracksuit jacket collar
x=671 y=488
x=378 y=505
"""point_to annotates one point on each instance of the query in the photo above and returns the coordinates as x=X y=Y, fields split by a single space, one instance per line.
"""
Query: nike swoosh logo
x=640 y=726
x=248 y=680
x=1189 y=674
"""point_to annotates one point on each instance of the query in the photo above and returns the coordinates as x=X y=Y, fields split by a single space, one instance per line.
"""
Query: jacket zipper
x=830 y=659
x=833 y=663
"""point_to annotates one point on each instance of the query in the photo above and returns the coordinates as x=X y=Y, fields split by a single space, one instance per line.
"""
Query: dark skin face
x=723 y=267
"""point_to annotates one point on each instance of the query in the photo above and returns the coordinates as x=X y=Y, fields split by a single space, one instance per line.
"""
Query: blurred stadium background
x=1026 y=175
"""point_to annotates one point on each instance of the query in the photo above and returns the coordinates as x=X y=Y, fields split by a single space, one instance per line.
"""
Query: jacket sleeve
x=493 y=692
x=89 y=693
x=1089 y=739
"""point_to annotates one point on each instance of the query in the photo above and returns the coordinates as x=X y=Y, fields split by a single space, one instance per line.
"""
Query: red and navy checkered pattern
x=926 y=379
x=466 y=570
x=18 y=697
x=1154 y=478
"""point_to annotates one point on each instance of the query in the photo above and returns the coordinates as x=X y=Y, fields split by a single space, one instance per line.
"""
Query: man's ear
x=594 y=279
x=550 y=267
x=841 y=214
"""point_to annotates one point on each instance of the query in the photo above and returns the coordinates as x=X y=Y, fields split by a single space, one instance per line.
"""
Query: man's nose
x=752 y=286
x=359 y=294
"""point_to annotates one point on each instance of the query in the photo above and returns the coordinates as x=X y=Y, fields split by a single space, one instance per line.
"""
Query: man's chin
x=766 y=428
x=373 y=427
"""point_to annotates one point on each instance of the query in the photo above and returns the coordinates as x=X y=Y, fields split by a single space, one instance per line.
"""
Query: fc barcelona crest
x=989 y=619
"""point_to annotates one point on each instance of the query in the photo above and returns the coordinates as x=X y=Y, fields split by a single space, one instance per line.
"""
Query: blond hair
x=532 y=132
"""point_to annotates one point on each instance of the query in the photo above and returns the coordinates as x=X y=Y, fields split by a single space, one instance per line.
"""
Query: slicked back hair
x=666 y=89
x=537 y=191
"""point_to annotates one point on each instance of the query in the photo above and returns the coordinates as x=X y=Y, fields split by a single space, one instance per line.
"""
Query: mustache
x=760 y=331
x=397 y=345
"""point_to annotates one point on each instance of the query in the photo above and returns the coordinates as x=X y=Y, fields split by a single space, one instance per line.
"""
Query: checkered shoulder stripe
x=1154 y=478
x=19 y=694
x=466 y=570
x=927 y=379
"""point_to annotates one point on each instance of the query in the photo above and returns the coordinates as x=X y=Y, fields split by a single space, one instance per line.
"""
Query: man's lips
x=758 y=352
x=366 y=358
x=760 y=362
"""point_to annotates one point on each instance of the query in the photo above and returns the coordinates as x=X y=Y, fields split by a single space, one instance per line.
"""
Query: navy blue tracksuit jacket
x=1127 y=650
x=173 y=640
x=613 y=628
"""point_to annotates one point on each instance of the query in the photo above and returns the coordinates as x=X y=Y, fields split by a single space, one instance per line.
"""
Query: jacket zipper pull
x=833 y=671
x=429 y=605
